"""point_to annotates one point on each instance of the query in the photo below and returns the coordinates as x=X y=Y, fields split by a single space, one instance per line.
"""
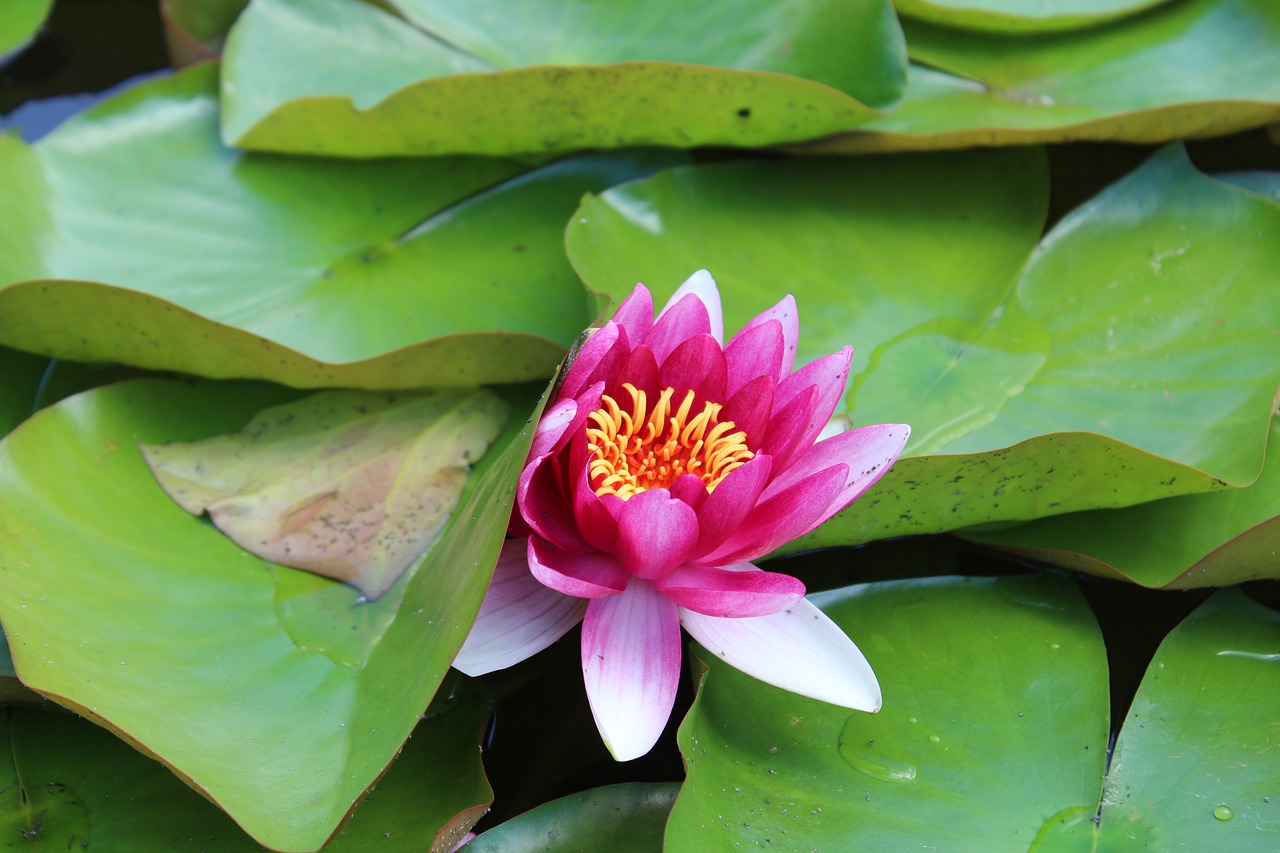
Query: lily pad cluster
x=333 y=260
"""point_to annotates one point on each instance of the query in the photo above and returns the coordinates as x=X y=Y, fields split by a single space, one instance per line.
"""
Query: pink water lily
x=666 y=462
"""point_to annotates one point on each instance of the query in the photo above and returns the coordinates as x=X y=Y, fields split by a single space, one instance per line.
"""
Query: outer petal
x=596 y=360
x=829 y=375
x=731 y=591
x=728 y=506
x=539 y=494
x=781 y=518
x=798 y=649
x=635 y=313
x=656 y=532
x=754 y=352
x=868 y=452
x=786 y=314
x=678 y=323
x=702 y=285
x=591 y=575
x=631 y=667
x=518 y=618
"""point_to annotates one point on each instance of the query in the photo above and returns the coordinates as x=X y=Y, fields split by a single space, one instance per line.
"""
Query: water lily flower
x=665 y=463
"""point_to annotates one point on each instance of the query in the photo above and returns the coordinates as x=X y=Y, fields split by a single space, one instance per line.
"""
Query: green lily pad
x=195 y=30
x=1177 y=543
x=1006 y=752
x=1186 y=69
x=1018 y=16
x=20 y=374
x=627 y=818
x=341 y=77
x=1033 y=377
x=131 y=235
x=279 y=694
x=19 y=22
x=69 y=784
x=352 y=485
x=956 y=759
x=1194 y=765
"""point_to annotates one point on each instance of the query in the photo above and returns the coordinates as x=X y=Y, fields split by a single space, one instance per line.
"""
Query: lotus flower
x=665 y=463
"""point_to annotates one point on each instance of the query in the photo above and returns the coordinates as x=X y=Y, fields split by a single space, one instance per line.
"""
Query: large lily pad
x=342 y=77
x=1031 y=391
x=1186 y=69
x=279 y=694
x=19 y=22
x=959 y=756
x=626 y=818
x=71 y=785
x=1018 y=15
x=1179 y=543
x=131 y=235
x=1004 y=753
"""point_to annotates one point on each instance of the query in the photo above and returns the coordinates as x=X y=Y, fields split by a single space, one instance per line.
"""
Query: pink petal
x=730 y=591
x=678 y=323
x=728 y=506
x=754 y=352
x=695 y=365
x=539 y=492
x=655 y=533
x=702 y=285
x=776 y=521
x=786 y=314
x=602 y=352
x=631 y=667
x=750 y=408
x=635 y=313
x=829 y=375
x=798 y=649
x=597 y=517
x=867 y=452
x=518 y=618
x=788 y=424
x=592 y=575
x=689 y=489
x=640 y=370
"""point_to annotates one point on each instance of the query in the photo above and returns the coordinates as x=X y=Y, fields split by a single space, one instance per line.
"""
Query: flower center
x=652 y=448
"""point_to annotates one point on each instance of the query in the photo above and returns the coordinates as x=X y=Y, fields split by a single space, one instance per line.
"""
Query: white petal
x=798 y=649
x=631 y=666
x=704 y=286
x=518 y=618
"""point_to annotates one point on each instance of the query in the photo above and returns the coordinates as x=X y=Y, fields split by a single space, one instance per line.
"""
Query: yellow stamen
x=644 y=448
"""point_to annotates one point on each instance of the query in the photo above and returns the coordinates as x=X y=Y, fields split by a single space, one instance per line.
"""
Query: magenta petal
x=518 y=618
x=867 y=452
x=635 y=314
x=730 y=591
x=750 y=409
x=591 y=575
x=788 y=424
x=595 y=350
x=702 y=285
x=631 y=667
x=730 y=504
x=752 y=353
x=829 y=375
x=656 y=532
x=640 y=370
x=689 y=489
x=788 y=317
x=695 y=365
x=791 y=513
x=681 y=321
x=596 y=516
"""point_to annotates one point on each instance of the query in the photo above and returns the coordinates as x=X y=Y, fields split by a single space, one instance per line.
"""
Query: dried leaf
x=353 y=485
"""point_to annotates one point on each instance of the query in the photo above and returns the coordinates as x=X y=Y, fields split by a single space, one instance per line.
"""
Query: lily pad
x=71 y=785
x=1005 y=753
x=352 y=485
x=1182 y=70
x=279 y=694
x=20 y=20
x=20 y=374
x=626 y=818
x=1019 y=16
x=1177 y=543
x=131 y=235
x=957 y=758
x=195 y=30
x=341 y=77
x=1033 y=377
